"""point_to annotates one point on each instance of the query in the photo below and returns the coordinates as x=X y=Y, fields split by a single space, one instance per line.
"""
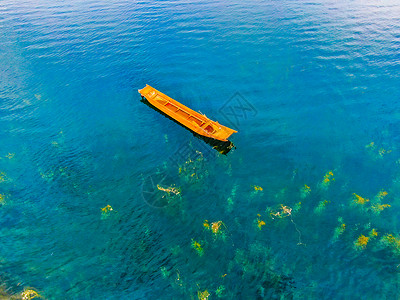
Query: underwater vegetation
x=257 y=191
x=357 y=199
x=305 y=191
x=3 y=177
x=231 y=199
x=257 y=188
x=391 y=242
x=218 y=229
x=260 y=223
x=203 y=295
x=361 y=242
x=201 y=264
x=193 y=170
x=26 y=294
x=171 y=195
x=9 y=155
x=339 y=230
x=328 y=178
x=377 y=151
x=282 y=212
x=373 y=233
x=198 y=247
x=258 y=276
x=169 y=190
x=375 y=206
x=220 y=291
x=321 y=207
x=30 y=294
x=106 y=211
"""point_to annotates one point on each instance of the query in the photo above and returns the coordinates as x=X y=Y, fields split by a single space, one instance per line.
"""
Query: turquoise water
x=319 y=82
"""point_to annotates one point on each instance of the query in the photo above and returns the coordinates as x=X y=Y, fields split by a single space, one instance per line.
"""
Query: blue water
x=320 y=83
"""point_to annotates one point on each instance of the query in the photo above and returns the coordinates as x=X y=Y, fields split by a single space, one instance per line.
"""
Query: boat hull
x=185 y=116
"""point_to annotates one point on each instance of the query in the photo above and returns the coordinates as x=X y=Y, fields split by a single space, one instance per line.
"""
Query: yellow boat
x=195 y=121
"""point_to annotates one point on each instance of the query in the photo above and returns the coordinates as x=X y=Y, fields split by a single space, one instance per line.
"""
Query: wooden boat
x=195 y=121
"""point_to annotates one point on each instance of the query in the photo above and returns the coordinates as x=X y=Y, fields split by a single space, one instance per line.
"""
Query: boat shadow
x=220 y=146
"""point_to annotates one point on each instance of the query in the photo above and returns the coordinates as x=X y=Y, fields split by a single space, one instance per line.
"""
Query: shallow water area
x=103 y=197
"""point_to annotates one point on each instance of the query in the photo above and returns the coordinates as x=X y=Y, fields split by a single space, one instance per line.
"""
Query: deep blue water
x=320 y=83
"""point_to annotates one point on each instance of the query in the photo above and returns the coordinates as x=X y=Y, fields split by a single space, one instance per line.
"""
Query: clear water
x=320 y=81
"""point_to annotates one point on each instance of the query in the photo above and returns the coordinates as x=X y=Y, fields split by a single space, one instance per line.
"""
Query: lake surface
x=306 y=206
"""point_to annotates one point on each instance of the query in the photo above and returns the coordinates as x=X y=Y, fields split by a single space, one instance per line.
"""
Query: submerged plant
x=374 y=149
x=2 y=199
x=256 y=267
x=218 y=228
x=373 y=233
x=197 y=247
x=10 y=155
x=206 y=224
x=339 y=231
x=230 y=201
x=305 y=191
x=220 y=291
x=377 y=208
x=361 y=242
x=171 y=195
x=230 y=204
x=257 y=188
x=164 y=272
x=3 y=177
x=321 y=207
x=193 y=170
x=296 y=207
x=175 y=250
x=260 y=223
x=29 y=294
x=328 y=178
x=48 y=176
x=203 y=295
x=389 y=240
x=370 y=145
x=282 y=212
x=359 y=200
x=382 y=152
x=169 y=190
x=382 y=194
x=106 y=211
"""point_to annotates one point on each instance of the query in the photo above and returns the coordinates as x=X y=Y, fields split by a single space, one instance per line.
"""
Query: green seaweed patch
x=260 y=223
x=392 y=242
x=305 y=191
x=221 y=291
x=198 y=247
x=203 y=295
x=258 y=262
x=217 y=228
x=339 y=230
x=361 y=242
x=164 y=272
x=321 y=207
x=29 y=294
x=358 y=200
x=328 y=179
x=106 y=212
